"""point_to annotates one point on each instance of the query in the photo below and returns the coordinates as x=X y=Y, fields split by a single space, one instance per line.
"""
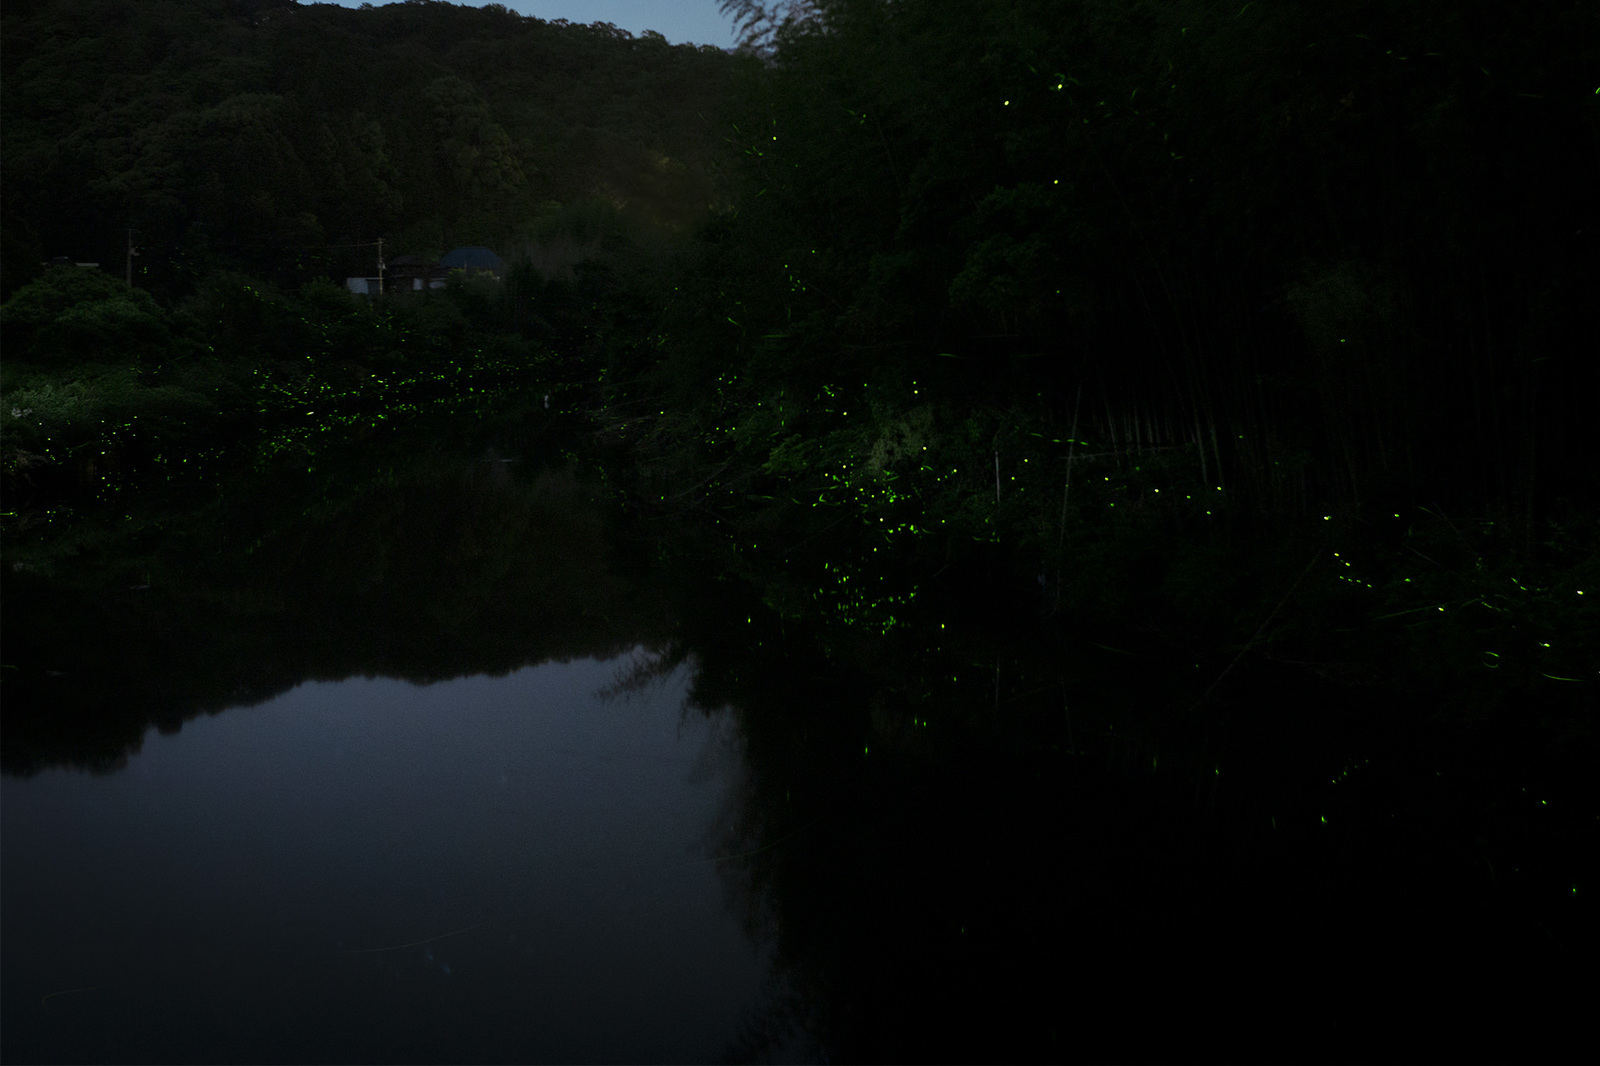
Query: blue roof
x=472 y=257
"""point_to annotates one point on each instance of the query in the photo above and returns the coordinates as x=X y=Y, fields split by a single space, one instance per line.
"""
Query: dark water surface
x=489 y=869
x=442 y=761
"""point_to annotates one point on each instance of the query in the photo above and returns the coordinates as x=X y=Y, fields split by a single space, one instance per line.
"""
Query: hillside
x=268 y=137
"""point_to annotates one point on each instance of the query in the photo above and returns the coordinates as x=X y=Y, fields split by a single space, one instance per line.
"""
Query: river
x=491 y=869
x=457 y=767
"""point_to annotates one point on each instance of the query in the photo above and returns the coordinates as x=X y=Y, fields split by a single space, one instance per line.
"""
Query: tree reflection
x=1036 y=861
x=438 y=572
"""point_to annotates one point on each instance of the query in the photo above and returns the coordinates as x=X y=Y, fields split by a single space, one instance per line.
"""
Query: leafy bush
x=72 y=315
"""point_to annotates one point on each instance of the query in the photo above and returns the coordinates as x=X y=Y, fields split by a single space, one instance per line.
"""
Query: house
x=413 y=273
x=474 y=259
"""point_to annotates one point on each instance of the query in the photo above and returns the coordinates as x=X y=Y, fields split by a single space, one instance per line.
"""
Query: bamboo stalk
x=1066 y=488
x=1216 y=452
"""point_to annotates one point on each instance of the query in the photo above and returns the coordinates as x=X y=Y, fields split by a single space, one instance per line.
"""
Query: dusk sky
x=680 y=21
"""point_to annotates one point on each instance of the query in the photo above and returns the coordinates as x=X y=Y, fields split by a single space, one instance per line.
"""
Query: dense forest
x=284 y=140
x=1255 y=327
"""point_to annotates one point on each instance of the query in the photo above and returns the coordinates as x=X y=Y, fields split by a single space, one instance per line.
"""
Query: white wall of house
x=369 y=286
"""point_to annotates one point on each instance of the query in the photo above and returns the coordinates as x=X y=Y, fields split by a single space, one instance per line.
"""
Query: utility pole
x=380 y=266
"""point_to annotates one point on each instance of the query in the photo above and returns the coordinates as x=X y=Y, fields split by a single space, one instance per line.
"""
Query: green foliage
x=1342 y=304
x=1134 y=295
x=97 y=427
x=1151 y=216
x=1014 y=261
x=474 y=151
x=34 y=414
x=272 y=144
x=71 y=314
x=1482 y=621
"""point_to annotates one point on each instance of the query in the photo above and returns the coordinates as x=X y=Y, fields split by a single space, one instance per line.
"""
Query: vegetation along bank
x=1249 y=334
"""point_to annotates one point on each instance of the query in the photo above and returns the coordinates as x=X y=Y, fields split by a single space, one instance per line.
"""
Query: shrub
x=74 y=315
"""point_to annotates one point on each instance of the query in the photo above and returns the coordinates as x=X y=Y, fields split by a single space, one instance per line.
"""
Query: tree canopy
x=273 y=137
x=972 y=274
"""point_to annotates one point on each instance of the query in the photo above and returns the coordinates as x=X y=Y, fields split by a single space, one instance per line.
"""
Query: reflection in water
x=1053 y=860
x=244 y=888
x=432 y=577
x=974 y=835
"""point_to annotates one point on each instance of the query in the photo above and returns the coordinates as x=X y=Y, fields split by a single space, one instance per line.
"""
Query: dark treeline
x=1226 y=323
x=253 y=155
x=1230 y=322
x=1340 y=253
x=264 y=136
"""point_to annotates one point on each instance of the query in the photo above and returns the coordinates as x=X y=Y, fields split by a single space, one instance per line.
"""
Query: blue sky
x=680 y=21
